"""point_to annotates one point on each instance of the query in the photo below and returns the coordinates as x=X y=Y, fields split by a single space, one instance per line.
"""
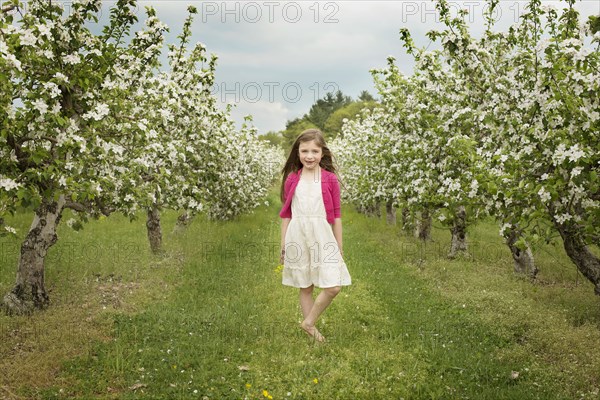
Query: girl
x=311 y=227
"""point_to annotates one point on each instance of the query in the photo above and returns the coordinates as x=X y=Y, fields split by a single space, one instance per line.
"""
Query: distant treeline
x=326 y=114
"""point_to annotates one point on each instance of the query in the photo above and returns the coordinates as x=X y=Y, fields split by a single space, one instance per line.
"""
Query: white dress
x=312 y=254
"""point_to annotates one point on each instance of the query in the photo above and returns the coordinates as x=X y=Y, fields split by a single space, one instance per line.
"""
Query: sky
x=276 y=58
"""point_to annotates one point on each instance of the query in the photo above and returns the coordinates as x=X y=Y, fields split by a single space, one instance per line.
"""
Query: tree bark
x=360 y=208
x=524 y=263
x=373 y=210
x=154 y=231
x=183 y=221
x=406 y=224
x=29 y=292
x=390 y=212
x=587 y=263
x=423 y=226
x=459 y=233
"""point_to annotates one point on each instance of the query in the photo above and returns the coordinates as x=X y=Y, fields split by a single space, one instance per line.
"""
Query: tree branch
x=90 y=207
x=23 y=140
x=8 y=9
x=106 y=211
x=75 y=206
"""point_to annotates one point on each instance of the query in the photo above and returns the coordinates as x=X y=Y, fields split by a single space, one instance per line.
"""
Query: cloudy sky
x=277 y=57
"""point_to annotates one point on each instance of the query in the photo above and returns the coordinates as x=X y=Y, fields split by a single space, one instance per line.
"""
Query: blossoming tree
x=519 y=119
x=57 y=147
x=88 y=123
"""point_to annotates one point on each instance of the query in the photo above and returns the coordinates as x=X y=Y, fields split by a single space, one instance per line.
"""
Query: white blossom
x=56 y=108
x=27 y=38
x=72 y=59
x=574 y=153
x=562 y=218
x=45 y=29
x=61 y=77
x=98 y=113
x=12 y=60
x=41 y=106
x=474 y=187
x=52 y=89
x=544 y=195
x=48 y=54
x=11 y=112
x=8 y=184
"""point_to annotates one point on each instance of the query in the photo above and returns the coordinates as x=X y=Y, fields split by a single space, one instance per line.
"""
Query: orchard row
x=506 y=125
x=92 y=123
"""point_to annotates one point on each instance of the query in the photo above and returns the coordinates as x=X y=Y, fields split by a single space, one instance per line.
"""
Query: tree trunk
x=423 y=226
x=524 y=263
x=587 y=263
x=183 y=221
x=360 y=208
x=459 y=233
x=373 y=210
x=406 y=224
x=29 y=291
x=154 y=231
x=390 y=212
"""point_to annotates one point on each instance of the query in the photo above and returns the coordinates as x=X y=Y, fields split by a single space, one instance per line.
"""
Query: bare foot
x=312 y=331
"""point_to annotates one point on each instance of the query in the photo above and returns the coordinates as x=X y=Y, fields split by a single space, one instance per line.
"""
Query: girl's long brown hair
x=293 y=163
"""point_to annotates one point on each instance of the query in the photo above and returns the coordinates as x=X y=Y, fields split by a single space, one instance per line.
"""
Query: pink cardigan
x=330 y=189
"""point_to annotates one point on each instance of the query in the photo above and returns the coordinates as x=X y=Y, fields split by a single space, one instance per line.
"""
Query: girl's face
x=310 y=155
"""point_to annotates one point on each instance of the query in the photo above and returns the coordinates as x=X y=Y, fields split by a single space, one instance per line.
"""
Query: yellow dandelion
x=315 y=381
x=265 y=393
x=279 y=268
x=174 y=366
x=248 y=385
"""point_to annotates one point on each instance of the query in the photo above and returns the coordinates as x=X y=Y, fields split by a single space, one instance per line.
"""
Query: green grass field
x=211 y=320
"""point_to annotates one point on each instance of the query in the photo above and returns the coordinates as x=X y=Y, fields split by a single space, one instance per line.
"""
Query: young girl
x=311 y=227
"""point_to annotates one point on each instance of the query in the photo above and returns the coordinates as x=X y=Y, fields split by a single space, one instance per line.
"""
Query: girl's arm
x=337 y=214
x=284 y=225
x=337 y=232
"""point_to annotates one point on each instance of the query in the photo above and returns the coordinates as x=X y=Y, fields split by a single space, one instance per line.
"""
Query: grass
x=210 y=319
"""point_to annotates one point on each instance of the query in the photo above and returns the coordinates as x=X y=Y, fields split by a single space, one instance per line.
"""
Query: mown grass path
x=215 y=322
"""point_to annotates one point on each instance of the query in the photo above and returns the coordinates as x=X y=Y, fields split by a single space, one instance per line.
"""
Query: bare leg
x=306 y=300
x=322 y=301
